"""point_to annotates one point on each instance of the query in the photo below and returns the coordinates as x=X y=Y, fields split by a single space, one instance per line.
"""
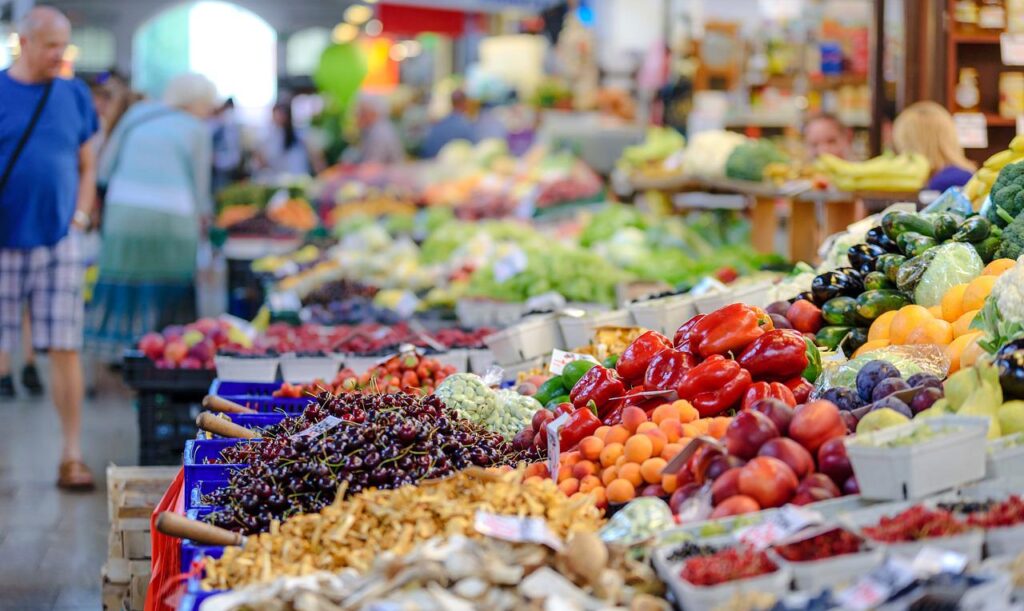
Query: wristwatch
x=80 y=219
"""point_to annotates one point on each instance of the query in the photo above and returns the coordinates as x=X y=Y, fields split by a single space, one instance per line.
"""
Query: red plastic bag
x=166 y=563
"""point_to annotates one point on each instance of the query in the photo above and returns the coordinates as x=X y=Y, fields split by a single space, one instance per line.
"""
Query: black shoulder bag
x=25 y=136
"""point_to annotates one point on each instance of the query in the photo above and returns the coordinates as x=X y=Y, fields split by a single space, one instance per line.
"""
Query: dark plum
x=844 y=398
x=894 y=404
x=925 y=398
x=871 y=374
x=780 y=321
x=924 y=379
x=888 y=386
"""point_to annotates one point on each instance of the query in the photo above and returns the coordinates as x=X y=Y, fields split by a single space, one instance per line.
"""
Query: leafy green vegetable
x=747 y=161
x=1007 y=195
x=953 y=263
x=1012 y=240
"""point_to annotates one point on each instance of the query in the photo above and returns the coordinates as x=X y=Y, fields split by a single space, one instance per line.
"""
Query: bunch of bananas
x=886 y=172
x=980 y=184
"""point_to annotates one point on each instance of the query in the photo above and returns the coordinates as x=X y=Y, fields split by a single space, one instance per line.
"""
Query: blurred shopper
x=490 y=123
x=284 y=150
x=825 y=133
x=29 y=374
x=227 y=146
x=47 y=190
x=456 y=126
x=378 y=139
x=926 y=128
x=157 y=172
x=111 y=96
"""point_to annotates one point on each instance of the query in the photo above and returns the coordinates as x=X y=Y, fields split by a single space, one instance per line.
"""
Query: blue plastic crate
x=201 y=478
x=258 y=396
x=191 y=551
x=191 y=601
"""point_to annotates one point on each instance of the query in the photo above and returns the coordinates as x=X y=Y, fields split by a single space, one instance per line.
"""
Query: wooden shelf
x=978 y=38
x=994 y=120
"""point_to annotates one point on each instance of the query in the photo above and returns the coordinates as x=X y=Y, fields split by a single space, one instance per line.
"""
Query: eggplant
x=806 y=296
x=1010 y=361
x=856 y=278
x=876 y=237
x=864 y=254
x=833 y=284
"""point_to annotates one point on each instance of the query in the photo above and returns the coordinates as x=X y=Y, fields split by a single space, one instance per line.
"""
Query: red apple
x=152 y=345
x=734 y=506
x=191 y=363
x=203 y=351
x=819 y=480
x=681 y=495
x=767 y=480
x=851 y=486
x=747 y=432
x=833 y=461
x=175 y=351
x=726 y=486
x=811 y=495
x=789 y=452
x=173 y=332
x=815 y=423
x=206 y=325
x=778 y=412
x=722 y=463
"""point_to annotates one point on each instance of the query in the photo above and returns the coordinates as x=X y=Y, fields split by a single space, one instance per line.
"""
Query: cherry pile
x=915 y=524
x=727 y=565
x=1006 y=513
x=401 y=440
x=826 y=545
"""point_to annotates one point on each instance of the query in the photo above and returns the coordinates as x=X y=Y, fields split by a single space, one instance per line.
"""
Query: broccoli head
x=1012 y=240
x=1007 y=200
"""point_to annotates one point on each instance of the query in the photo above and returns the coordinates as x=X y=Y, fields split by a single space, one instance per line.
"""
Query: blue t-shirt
x=949 y=176
x=39 y=200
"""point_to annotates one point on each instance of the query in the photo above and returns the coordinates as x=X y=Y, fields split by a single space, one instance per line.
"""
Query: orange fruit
x=692 y=430
x=602 y=431
x=669 y=411
x=564 y=473
x=977 y=291
x=658 y=441
x=953 y=302
x=569 y=486
x=610 y=454
x=651 y=469
x=631 y=473
x=669 y=483
x=609 y=475
x=997 y=267
x=962 y=326
x=880 y=327
x=638 y=448
x=617 y=434
x=600 y=497
x=955 y=349
x=673 y=429
x=718 y=425
x=620 y=491
x=869 y=346
x=620 y=461
x=936 y=311
x=569 y=459
x=907 y=320
x=633 y=417
x=670 y=450
x=590 y=482
x=538 y=469
x=583 y=469
x=590 y=447
x=934 y=331
x=687 y=412
x=972 y=351
x=646 y=426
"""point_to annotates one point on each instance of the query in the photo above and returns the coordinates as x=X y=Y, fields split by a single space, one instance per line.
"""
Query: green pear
x=879 y=419
x=1011 y=417
x=960 y=385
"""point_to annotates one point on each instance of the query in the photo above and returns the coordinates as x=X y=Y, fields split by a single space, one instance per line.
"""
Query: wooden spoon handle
x=220 y=404
x=210 y=422
x=174 y=525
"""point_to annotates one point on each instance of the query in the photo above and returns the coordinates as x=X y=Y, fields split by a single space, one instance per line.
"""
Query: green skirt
x=141 y=245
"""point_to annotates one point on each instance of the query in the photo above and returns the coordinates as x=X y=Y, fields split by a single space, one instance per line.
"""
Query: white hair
x=189 y=89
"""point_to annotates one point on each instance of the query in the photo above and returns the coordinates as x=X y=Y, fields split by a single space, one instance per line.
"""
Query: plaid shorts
x=48 y=279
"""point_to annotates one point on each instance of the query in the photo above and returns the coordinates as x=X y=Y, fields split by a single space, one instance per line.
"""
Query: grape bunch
x=401 y=440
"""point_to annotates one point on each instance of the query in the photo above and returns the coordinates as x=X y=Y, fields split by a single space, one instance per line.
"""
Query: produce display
x=407 y=373
x=915 y=524
x=884 y=173
x=830 y=544
x=194 y=345
x=727 y=565
x=749 y=160
x=979 y=186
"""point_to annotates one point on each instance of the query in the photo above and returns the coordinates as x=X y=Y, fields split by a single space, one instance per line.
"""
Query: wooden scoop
x=211 y=423
x=220 y=404
x=174 y=525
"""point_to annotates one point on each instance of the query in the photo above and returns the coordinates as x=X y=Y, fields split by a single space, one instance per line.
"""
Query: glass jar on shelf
x=966 y=94
x=965 y=15
x=992 y=15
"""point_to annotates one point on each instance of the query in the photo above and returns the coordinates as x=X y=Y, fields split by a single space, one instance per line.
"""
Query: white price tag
x=971 y=129
x=516 y=529
x=510 y=265
x=1011 y=49
x=784 y=523
x=554 y=428
x=877 y=586
x=932 y=561
x=319 y=428
x=561 y=358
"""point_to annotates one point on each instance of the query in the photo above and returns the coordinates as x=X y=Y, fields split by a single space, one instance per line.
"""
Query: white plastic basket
x=1004 y=540
x=514 y=369
x=456 y=357
x=1004 y=458
x=533 y=337
x=480 y=360
x=475 y=313
x=305 y=369
x=701 y=598
x=579 y=331
x=361 y=364
x=663 y=315
x=238 y=369
x=753 y=293
x=952 y=458
x=816 y=575
x=969 y=543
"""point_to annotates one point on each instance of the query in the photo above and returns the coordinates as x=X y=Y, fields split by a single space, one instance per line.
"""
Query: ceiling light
x=397 y=52
x=344 y=32
x=373 y=27
x=358 y=14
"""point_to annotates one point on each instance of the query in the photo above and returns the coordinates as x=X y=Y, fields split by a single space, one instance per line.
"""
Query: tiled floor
x=53 y=543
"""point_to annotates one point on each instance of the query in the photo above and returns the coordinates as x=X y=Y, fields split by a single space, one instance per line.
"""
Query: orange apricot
x=646 y=426
x=669 y=483
x=620 y=491
x=569 y=486
x=673 y=429
x=631 y=473
x=651 y=469
x=658 y=440
x=602 y=431
x=590 y=447
x=638 y=448
x=617 y=434
x=669 y=411
x=590 y=482
x=633 y=417
x=610 y=454
x=583 y=469
x=609 y=474
x=670 y=450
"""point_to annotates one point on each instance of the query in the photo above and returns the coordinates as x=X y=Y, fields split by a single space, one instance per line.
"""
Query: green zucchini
x=829 y=337
x=872 y=304
x=895 y=224
x=913 y=243
x=877 y=280
x=974 y=229
x=889 y=264
x=840 y=310
x=987 y=248
x=944 y=225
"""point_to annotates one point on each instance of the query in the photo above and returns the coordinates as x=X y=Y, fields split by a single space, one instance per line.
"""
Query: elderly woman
x=156 y=169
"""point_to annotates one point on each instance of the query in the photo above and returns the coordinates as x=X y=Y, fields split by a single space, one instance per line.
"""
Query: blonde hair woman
x=156 y=169
x=926 y=128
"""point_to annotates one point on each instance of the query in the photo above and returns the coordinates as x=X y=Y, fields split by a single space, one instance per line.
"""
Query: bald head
x=43 y=34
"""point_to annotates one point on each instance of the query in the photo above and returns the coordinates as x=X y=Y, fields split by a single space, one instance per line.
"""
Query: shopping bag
x=166 y=562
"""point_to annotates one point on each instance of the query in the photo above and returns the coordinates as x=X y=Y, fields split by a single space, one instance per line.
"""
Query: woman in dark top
x=926 y=128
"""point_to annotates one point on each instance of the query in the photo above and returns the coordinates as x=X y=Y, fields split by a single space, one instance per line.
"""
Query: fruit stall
x=612 y=408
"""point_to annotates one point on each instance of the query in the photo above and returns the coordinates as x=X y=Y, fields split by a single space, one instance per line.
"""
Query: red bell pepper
x=686 y=338
x=800 y=388
x=777 y=355
x=581 y=423
x=768 y=390
x=715 y=385
x=633 y=362
x=731 y=329
x=667 y=368
x=613 y=416
x=599 y=385
x=634 y=397
x=564 y=408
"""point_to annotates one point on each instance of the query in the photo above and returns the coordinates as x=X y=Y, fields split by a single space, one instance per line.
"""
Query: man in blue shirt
x=47 y=189
x=455 y=126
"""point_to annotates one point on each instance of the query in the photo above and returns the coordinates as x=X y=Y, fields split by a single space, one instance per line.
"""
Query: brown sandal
x=75 y=475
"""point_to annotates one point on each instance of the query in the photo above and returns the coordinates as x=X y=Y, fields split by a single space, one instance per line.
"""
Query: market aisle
x=52 y=543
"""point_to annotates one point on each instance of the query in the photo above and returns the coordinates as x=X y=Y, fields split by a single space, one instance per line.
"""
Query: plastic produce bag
x=953 y=263
x=909 y=360
x=951 y=200
x=638 y=521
